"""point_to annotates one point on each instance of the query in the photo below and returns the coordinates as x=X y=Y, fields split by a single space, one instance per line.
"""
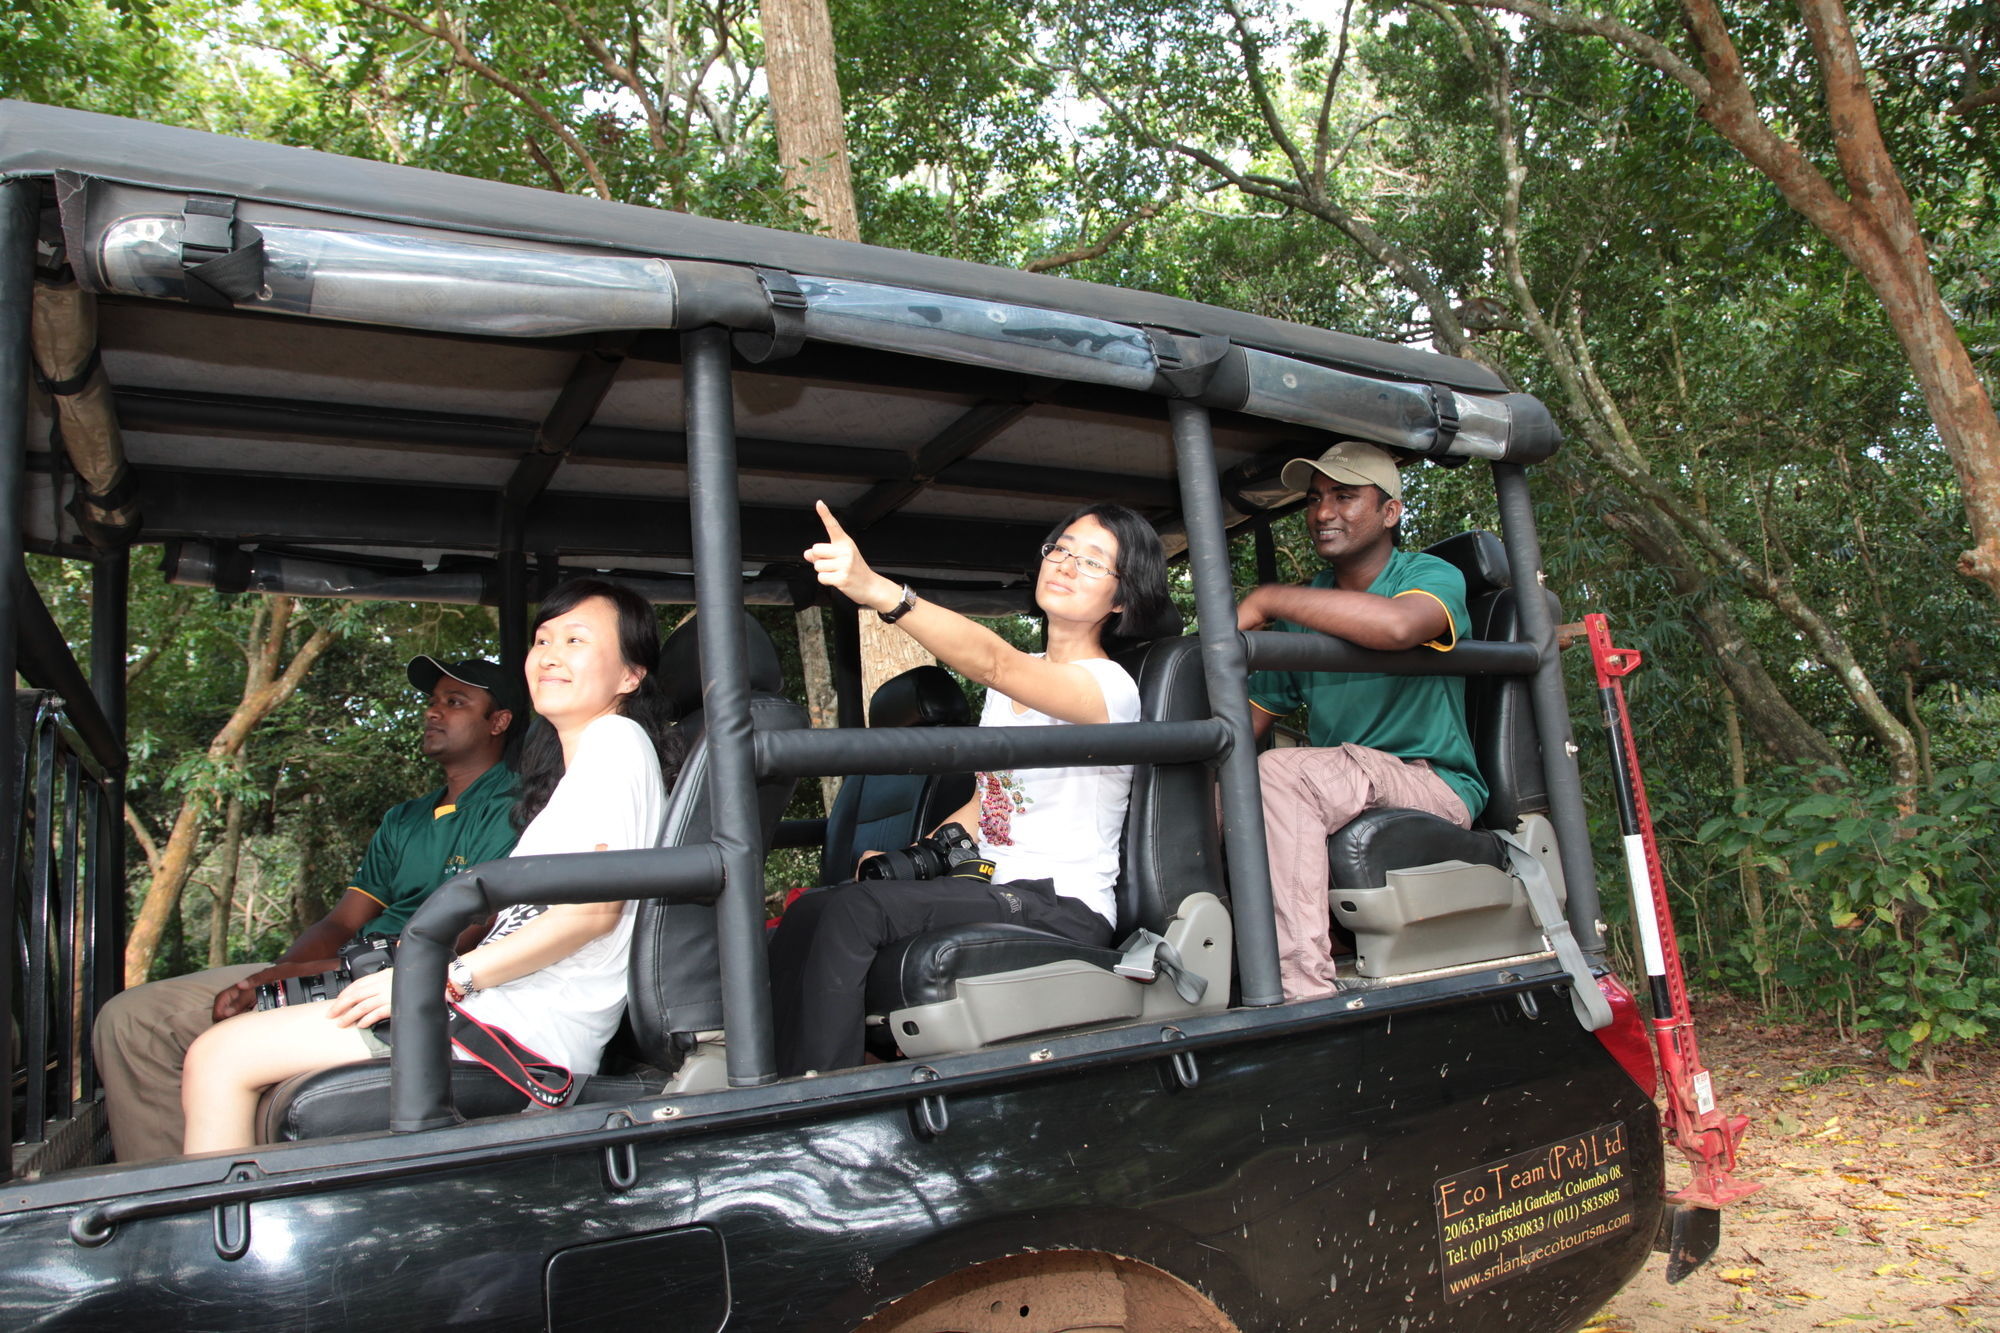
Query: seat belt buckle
x=1142 y=956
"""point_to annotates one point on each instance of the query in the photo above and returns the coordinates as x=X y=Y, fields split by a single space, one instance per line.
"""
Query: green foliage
x=1890 y=911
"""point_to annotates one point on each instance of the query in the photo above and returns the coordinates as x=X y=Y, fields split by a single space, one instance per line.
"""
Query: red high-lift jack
x=1707 y=1137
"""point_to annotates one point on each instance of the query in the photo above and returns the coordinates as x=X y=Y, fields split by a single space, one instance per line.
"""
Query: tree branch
x=1972 y=102
x=1253 y=71
x=542 y=160
x=148 y=844
x=1872 y=180
x=462 y=53
x=1322 y=128
x=656 y=128
x=1095 y=250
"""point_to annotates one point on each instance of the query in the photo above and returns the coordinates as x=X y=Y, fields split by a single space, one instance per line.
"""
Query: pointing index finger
x=833 y=528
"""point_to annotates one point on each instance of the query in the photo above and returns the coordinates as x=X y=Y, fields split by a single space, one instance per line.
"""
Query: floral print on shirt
x=1000 y=795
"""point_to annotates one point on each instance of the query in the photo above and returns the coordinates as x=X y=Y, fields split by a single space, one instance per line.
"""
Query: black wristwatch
x=900 y=609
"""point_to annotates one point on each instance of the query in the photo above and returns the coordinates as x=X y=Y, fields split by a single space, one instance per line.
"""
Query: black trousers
x=827 y=940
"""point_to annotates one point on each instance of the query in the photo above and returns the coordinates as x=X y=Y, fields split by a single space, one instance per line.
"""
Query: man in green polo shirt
x=142 y=1035
x=1376 y=741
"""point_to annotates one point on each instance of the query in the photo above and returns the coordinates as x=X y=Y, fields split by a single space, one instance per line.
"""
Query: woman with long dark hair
x=595 y=771
x=1052 y=835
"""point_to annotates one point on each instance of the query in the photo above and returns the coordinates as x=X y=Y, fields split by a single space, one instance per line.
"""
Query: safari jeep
x=297 y=373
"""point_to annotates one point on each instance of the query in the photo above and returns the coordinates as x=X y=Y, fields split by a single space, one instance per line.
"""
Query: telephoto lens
x=917 y=861
x=950 y=851
x=309 y=989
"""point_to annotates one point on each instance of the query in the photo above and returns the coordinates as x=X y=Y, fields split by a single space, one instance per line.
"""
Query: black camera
x=948 y=853
x=357 y=959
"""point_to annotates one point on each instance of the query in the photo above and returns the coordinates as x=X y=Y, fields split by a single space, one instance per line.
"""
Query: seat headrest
x=923 y=696
x=1165 y=624
x=1479 y=556
x=680 y=663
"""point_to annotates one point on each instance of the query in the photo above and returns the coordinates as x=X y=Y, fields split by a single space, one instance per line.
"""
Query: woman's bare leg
x=232 y=1063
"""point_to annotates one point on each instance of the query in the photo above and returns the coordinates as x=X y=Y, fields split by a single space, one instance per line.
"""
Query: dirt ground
x=1881 y=1199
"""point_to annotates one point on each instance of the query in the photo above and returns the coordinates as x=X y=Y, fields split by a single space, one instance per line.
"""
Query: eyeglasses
x=1087 y=565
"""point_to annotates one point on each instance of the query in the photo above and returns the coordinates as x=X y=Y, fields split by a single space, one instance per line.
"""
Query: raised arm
x=1060 y=689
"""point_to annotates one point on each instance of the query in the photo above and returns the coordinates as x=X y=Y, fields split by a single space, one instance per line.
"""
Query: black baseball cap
x=506 y=687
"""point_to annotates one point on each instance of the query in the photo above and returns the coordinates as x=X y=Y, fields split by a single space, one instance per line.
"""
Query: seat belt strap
x=1592 y=1009
x=1148 y=957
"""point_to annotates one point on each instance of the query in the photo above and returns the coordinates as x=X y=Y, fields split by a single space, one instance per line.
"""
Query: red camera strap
x=527 y=1071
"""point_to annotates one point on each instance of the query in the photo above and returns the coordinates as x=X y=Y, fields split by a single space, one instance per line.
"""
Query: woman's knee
x=211 y=1057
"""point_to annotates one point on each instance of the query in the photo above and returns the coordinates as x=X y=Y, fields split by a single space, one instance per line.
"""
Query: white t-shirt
x=612 y=794
x=1061 y=824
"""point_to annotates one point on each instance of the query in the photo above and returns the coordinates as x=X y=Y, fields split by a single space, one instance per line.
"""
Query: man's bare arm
x=315 y=950
x=1386 y=624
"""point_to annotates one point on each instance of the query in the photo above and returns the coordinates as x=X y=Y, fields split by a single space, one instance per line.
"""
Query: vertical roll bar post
x=725 y=695
x=1524 y=563
x=110 y=591
x=513 y=607
x=845 y=617
x=1223 y=663
x=19 y=201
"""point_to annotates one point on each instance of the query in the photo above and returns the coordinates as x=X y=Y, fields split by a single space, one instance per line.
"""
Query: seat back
x=675 y=987
x=1499 y=710
x=884 y=811
x=1172 y=844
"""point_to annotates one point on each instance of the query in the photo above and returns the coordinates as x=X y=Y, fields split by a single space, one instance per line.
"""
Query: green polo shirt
x=423 y=843
x=1411 y=717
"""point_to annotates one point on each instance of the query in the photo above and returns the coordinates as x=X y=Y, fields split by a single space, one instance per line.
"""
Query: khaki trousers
x=1308 y=796
x=141 y=1038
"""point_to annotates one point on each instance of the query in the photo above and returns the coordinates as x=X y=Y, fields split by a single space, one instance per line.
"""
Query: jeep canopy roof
x=329 y=375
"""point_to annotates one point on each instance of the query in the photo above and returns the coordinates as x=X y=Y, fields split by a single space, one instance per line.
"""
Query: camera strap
x=526 y=1071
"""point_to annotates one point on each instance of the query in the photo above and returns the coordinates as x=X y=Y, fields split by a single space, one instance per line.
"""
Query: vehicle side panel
x=1293 y=1185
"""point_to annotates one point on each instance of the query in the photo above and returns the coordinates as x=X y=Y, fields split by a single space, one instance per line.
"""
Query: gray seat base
x=1447 y=912
x=1062 y=985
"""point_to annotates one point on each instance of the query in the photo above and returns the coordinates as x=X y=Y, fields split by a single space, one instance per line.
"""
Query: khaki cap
x=1351 y=462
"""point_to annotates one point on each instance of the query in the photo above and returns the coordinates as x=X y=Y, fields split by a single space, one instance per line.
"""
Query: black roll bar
x=419 y=1082
x=110 y=589
x=1223 y=664
x=798 y=754
x=845 y=650
x=1270 y=651
x=19 y=208
x=513 y=590
x=1524 y=561
x=45 y=659
x=732 y=779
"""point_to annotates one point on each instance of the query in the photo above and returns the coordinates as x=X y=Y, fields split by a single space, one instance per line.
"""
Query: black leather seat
x=884 y=811
x=1171 y=866
x=1499 y=712
x=675 y=987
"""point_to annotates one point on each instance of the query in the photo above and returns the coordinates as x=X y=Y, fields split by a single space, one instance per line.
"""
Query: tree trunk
x=225 y=891
x=886 y=652
x=806 y=112
x=1746 y=863
x=812 y=150
x=265 y=687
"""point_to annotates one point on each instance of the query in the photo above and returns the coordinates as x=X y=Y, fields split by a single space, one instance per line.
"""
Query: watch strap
x=900 y=609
